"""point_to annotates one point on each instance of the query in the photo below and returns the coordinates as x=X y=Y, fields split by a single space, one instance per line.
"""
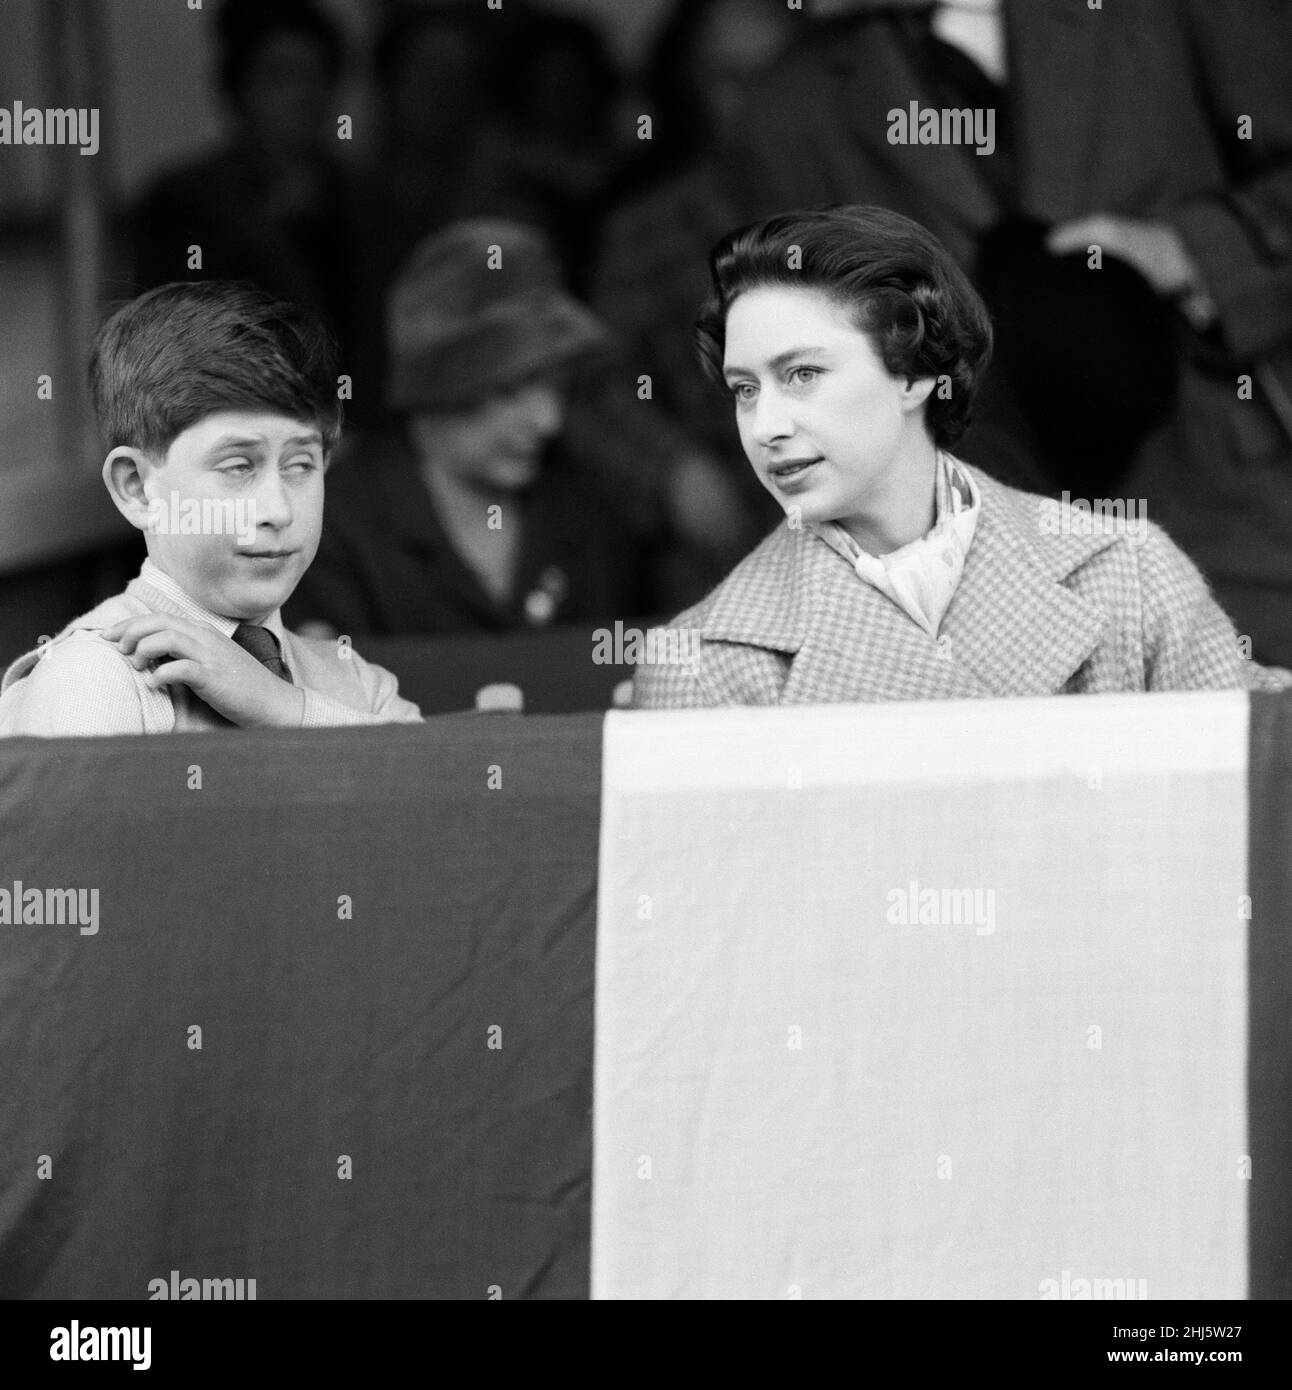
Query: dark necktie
x=263 y=645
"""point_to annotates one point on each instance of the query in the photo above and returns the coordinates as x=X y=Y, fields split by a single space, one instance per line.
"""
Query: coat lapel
x=763 y=601
x=1012 y=620
x=860 y=646
x=1012 y=628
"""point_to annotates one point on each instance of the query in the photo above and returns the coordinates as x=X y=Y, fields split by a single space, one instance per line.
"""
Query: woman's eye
x=744 y=390
x=803 y=375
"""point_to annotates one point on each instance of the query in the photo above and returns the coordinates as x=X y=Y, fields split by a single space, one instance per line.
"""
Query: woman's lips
x=792 y=470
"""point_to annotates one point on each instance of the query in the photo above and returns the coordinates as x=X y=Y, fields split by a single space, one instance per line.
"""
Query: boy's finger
x=173 y=673
x=129 y=641
x=127 y=633
x=156 y=645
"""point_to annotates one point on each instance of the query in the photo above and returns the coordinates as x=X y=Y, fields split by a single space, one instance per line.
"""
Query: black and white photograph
x=645 y=655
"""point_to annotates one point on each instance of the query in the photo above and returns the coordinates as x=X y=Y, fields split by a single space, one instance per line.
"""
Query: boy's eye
x=236 y=466
x=304 y=465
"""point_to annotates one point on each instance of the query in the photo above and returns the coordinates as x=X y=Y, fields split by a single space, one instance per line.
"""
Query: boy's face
x=251 y=486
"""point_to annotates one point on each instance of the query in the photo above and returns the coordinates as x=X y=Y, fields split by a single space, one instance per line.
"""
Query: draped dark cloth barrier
x=330 y=1025
x=390 y=962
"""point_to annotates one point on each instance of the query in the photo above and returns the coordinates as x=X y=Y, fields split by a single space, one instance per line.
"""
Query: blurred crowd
x=538 y=446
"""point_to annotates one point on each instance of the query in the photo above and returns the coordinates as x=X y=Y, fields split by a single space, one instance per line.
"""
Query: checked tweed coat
x=1034 y=614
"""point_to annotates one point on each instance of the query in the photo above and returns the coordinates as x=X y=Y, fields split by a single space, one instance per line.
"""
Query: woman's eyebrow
x=777 y=362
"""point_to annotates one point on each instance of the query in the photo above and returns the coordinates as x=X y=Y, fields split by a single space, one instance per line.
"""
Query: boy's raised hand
x=213 y=667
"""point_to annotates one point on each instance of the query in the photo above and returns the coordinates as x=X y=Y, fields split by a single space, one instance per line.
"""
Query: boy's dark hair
x=244 y=27
x=183 y=351
x=901 y=286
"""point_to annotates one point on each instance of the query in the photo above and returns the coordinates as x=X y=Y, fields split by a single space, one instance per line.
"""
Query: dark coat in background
x=232 y=207
x=386 y=567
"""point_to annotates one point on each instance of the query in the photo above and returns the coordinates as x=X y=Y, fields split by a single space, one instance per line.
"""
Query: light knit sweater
x=80 y=683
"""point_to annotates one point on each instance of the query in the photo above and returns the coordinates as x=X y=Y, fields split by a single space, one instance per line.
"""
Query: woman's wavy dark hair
x=897 y=280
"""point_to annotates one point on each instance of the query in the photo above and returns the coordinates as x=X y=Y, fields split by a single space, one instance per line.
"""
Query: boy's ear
x=124 y=473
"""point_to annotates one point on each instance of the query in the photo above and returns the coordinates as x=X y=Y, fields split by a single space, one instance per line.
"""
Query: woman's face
x=830 y=432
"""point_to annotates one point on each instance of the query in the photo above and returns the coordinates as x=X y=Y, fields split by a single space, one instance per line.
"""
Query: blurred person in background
x=269 y=203
x=449 y=150
x=650 y=271
x=466 y=513
x=474 y=125
x=695 y=80
x=1159 y=131
x=439 y=157
x=562 y=90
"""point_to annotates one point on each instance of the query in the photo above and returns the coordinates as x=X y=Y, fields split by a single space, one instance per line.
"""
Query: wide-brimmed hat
x=478 y=308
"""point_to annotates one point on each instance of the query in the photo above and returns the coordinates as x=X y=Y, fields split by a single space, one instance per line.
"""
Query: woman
x=853 y=347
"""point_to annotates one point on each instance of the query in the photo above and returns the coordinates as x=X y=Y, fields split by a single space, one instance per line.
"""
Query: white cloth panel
x=1033 y=1089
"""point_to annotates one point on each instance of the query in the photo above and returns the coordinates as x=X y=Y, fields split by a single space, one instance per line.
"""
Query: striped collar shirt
x=161 y=583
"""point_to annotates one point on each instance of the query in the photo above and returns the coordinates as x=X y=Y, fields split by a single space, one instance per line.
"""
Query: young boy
x=219 y=408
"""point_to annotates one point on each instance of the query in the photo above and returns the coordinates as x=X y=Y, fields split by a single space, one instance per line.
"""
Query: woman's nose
x=771 y=418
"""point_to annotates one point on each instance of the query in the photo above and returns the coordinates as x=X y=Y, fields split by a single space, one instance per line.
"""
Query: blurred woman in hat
x=853 y=347
x=464 y=514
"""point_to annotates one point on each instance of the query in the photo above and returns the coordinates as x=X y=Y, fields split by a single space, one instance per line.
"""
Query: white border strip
x=929 y=742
